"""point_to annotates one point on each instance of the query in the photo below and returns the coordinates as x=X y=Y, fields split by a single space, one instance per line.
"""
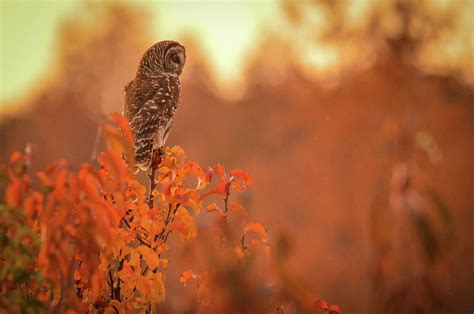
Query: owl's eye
x=175 y=59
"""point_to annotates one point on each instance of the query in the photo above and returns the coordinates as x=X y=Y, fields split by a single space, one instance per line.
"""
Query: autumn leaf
x=114 y=307
x=334 y=309
x=15 y=157
x=244 y=176
x=14 y=193
x=237 y=208
x=150 y=256
x=44 y=179
x=320 y=304
x=184 y=224
x=258 y=229
x=136 y=193
x=124 y=126
x=211 y=207
x=98 y=233
x=185 y=276
x=219 y=169
x=126 y=273
x=77 y=275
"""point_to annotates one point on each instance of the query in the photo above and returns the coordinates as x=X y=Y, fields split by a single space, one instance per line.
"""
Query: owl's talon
x=161 y=151
x=157 y=157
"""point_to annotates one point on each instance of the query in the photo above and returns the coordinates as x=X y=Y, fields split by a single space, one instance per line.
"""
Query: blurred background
x=355 y=118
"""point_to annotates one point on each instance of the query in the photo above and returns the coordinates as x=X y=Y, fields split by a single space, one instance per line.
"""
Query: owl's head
x=166 y=56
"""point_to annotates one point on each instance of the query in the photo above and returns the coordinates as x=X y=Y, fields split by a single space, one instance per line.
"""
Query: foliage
x=21 y=283
x=105 y=240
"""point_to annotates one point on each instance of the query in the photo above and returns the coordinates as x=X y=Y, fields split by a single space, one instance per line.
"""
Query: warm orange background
x=328 y=151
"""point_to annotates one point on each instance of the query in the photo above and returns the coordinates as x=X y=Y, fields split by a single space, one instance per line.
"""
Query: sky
x=227 y=29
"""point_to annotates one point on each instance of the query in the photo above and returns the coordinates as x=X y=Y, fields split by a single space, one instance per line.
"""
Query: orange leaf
x=186 y=276
x=114 y=307
x=124 y=126
x=14 y=193
x=257 y=228
x=77 y=275
x=237 y=208
x=211 y=207
x=184 y=224
x=44 y=179
x=334 y=309
x=34 y=204
x=208 y=175
x=219 y=169
x=15 y=157
x=126 y=273
x=135 y=189
x=243 y=175
x=321 y=304
x=150 y=256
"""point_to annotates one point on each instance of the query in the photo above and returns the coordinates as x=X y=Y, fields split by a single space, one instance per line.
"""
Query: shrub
x=97 y=240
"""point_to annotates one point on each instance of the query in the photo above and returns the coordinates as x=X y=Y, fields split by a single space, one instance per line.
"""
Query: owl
x=152 y=98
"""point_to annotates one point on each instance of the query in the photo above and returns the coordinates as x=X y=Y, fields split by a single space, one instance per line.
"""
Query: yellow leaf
x=184 y=224
x=157 y=290
x=150 y=256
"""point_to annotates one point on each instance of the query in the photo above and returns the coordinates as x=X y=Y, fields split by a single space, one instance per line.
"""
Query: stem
x=139 y=238
x=111 y=278
x=117 y=289
x=152 y=187
x=226 y=198
x=169 y=219
x=155 y=163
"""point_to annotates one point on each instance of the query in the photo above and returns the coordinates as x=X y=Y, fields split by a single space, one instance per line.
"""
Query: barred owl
x=152 y=97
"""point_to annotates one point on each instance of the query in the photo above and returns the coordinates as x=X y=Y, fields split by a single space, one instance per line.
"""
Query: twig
x=152 y=187
x=165 y=232
x=139 y=238
x=156 y=157
x=117 y=289
x=112 y=296
x=242 y=242
x=95 y=148
x=226 y=198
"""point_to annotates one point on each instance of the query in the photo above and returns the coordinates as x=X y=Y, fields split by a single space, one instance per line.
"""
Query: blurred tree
x=96 y=57
x=435 y=35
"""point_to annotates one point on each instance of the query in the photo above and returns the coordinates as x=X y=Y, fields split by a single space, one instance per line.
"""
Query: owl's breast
x=169 y=97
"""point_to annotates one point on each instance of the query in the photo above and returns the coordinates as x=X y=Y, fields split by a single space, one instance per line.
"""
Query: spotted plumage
x=152 y=98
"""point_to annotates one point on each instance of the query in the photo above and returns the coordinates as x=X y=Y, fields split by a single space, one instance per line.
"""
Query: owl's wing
x=146 y=112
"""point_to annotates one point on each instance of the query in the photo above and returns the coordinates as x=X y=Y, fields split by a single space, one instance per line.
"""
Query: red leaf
x=34 y=204
x=243 y=175
x=219 y=169
x=14 y=193
x=334 y=309
x=208 y=175
x=321 y=304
